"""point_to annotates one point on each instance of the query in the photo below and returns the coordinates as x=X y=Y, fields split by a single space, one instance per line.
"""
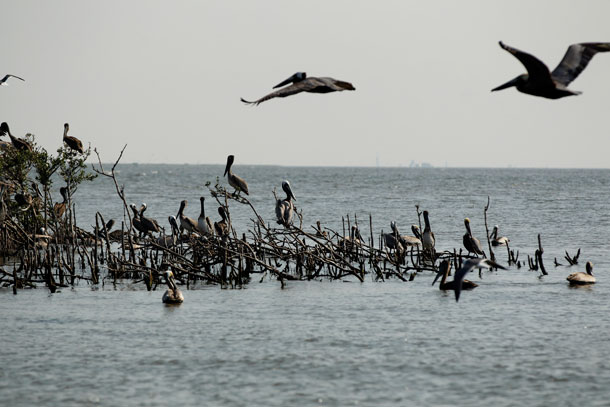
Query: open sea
x=519 y=339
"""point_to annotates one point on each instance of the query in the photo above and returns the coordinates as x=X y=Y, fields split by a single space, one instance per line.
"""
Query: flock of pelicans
x=538 y=81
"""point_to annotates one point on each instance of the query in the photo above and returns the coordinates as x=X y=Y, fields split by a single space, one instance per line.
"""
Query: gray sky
x=166 y=78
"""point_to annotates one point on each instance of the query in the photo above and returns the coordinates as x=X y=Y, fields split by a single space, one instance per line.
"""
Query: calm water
x=516 y=340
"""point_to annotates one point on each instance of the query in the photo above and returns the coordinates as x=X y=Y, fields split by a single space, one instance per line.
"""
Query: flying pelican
x=466 y=268
x=428 y=236
x=538 y=81
x=234 y=180
x=18 y=143
x=498 y=241
x=471 y=243
x=149 y=224
x=222 y=227
x=284 y=209
x=204 y=223
x=72 y=142
x=443 y=270
x=172 y=295
x=301 y=83
x=3 y=81
x=186 y=223
x=60 y=207
x=581 y=278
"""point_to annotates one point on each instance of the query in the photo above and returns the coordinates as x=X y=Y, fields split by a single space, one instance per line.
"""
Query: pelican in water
x=204 y=223
x=301 y=83
x=172 y=295
x=471 y=243
x=222 y=226
x=186 y=223
x=72 y=142
x=466 y=268
x=445 y=285
x=234 y=180
x=581 y=278
x=539 y=81
x=284 y=209
x=3 y=80
x=428 y=240
x=60 y=207
x=498 y=241
x=19 y=144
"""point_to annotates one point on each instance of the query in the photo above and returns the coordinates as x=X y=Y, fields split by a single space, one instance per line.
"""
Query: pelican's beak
x=440 y=273
x=512 y=82
x=291 y=193
x=286 y=82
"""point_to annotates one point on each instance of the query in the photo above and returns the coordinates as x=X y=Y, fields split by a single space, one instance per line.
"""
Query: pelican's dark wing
x=576 y=59
x=298 y=87
x=8 y=76
x=537 y=70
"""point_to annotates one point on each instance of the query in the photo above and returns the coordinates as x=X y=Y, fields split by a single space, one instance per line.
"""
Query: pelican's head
x=109 y=224
x=66 y=128
x=589 y=267
x=230 y=160
x=222 y=212
x=297 y=77
x=4 y=129
x=518 y=81
x=466 y=222
x=288 y=190
x=173 y=223
x=393 y=226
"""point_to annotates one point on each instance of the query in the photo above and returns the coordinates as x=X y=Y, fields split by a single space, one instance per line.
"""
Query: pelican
x=393 y=240
x=319 y=231
x=301 y=83
x=466 y=268
x=60 y=207
x=443 y=270
x=414 y=240
x=581 y=278
x=109 y=226
x=354 y=239
x=18 y=143
x=72 y=142
x=150 y=225
x=204 y=223
x=234 y=180
x=185 y=222
x=172 y=295
x=222 y=227
x=471 y=243
x=284 y=209
x=428 y=240
x=3 y=81
x=498 y=241
x=136 y=221
x=538 y=81
x=169 y=241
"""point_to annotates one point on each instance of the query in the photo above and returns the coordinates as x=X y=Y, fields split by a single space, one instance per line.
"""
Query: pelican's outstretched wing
x=576 y=59
x=537 y=70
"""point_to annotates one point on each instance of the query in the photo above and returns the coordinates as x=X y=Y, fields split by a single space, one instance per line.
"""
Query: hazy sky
x=166 y=78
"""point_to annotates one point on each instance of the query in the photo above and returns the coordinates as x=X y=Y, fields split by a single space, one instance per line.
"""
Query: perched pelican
x=136 y=221
x=301 y=83
x=498 y=241
x=354 y=239
x=18 y=143
x=319 y=231
x=466 y=268
x=204 y=223
x=471 y=243
x=284 y=209
x=72 y=142
x=234 y=180
x=172 y=295
x=150 y=225
x=60 y=207
x=428 y=240
x=3 y=81
x=445 y=285
x=414 y=240
x=581 y=278
x=186 y=223
x=169 y=241
x=393 y=239
x=222 y=227
x=538 y=81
